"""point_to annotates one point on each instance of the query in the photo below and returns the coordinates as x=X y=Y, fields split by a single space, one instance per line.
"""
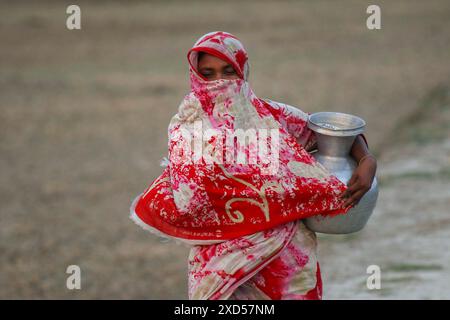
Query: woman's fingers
x=353 y=185
x=355 y=197
x=358 y=185
x=353 y=179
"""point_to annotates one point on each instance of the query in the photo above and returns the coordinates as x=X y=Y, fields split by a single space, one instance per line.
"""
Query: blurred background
x=83 y=127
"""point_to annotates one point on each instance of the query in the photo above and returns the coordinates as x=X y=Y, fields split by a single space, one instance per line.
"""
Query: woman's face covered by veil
x=219 y=81
x=230 y=57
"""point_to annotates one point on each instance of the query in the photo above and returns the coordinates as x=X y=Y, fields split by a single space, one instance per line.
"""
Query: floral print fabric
x=242 y=219
x=279 y=264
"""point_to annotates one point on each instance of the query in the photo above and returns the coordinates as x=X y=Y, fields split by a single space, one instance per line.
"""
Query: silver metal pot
x=335 y=134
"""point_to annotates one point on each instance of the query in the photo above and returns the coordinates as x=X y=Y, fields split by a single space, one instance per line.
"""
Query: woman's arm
x=362 y=177
x=359 y=148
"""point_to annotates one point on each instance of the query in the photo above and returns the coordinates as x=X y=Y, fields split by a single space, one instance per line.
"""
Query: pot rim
x=313 y=124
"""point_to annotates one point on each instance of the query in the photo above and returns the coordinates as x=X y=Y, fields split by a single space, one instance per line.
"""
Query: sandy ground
x=84 y=114
x=407 y=236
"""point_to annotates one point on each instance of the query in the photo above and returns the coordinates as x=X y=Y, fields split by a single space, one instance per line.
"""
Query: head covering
x=224 y=46
x=211 y=196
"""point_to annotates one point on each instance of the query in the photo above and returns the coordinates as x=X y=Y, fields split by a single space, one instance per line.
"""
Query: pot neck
x=334 y=146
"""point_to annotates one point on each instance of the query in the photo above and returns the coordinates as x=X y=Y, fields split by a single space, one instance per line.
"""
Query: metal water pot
x=335 y=134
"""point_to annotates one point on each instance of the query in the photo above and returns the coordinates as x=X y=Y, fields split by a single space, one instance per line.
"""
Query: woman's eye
x=207 y=74
x=230 y=71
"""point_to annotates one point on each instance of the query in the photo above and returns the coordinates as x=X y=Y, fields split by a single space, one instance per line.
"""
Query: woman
x=243 y=219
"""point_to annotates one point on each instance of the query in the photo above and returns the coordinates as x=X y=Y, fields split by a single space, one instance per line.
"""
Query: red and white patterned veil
x=206 y=194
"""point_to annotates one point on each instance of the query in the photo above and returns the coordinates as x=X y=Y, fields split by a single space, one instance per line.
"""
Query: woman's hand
x=361 y=181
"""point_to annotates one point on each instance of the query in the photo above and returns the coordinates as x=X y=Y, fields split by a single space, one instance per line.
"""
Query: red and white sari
x=243 y=220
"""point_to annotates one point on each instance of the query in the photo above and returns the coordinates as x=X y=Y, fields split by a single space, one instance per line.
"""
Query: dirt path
x=407 y=236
